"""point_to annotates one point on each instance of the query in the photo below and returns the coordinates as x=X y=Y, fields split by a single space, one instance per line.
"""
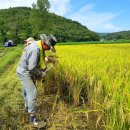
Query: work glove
x=43 y=74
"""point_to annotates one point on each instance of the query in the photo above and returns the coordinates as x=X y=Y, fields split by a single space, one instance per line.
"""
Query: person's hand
x=48 y=60
x=43 y=74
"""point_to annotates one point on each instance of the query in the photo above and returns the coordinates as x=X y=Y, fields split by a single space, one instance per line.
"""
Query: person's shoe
x=37 y=123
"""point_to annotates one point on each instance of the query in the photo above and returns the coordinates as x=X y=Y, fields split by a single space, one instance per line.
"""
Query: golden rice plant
x=106 y=71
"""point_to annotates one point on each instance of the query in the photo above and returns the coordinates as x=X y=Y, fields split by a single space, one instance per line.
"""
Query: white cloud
x=99 y=22
x=86 y=8
x=60 y=7
x=14 y=3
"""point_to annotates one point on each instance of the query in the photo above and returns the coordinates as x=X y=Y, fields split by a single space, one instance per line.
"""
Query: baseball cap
x=29 y=40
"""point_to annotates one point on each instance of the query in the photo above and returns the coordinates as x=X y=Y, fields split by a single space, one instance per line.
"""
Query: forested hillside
x=123 y=35
x=21 y=22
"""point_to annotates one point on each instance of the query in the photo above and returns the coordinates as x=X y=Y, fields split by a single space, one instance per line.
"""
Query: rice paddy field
x=88 y=89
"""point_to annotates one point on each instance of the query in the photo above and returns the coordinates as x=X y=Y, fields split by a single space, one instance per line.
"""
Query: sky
x=97 y=15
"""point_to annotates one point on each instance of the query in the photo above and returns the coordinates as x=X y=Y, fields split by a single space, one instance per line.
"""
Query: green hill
x=20 y=22
x=122 y=35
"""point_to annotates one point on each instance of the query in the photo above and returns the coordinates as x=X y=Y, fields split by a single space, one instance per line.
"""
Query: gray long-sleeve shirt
x=30 y=60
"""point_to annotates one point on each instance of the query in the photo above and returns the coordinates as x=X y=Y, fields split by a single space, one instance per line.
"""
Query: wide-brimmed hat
x=50 y=41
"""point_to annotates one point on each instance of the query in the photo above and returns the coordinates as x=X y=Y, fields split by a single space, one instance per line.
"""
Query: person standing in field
x=31 y=66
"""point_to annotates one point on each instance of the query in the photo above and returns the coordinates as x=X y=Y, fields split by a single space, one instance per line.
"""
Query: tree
x=42 y=5
x=3 y=31
x=21 y=22
x=40 y=18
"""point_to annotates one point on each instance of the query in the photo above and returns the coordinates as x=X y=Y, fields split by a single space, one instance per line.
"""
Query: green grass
x=8 y=56
x=10 y=91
